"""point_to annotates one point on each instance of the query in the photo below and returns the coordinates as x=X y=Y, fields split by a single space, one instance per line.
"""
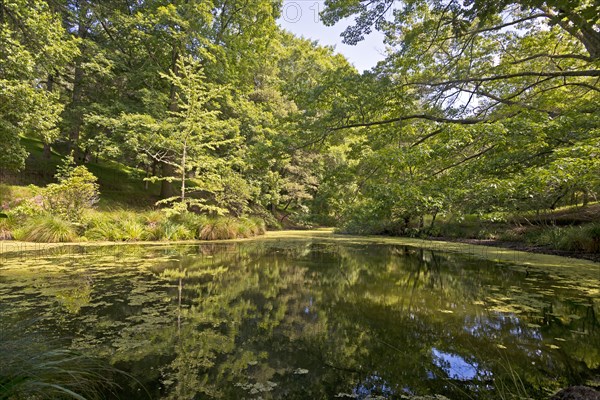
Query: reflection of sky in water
x=372 y=385
x=489 y=327
x=455 y=366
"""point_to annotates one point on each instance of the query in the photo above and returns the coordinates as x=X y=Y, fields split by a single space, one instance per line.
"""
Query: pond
x=311 y=318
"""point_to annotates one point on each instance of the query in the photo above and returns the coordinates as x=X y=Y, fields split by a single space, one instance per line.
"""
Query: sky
x=301 y=17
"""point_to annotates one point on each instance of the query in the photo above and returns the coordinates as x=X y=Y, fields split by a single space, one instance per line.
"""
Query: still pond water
x=307 y=319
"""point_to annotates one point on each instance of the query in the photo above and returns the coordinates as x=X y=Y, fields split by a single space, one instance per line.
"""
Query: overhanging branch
x=461 y=121
x=550 y=74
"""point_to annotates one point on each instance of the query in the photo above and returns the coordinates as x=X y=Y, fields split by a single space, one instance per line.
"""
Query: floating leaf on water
x=300 y=371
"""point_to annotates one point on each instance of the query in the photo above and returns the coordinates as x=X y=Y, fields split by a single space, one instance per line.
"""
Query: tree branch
x=462 y=121
x=550 y=74
x=464 y=160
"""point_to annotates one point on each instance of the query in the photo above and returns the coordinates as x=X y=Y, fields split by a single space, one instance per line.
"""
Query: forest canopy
x=480 y=106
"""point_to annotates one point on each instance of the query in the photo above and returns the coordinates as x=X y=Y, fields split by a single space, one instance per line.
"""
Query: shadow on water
x=308 y=319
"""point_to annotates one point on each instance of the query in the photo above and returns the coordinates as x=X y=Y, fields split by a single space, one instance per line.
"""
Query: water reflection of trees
x=320 y=320
x=304 y=319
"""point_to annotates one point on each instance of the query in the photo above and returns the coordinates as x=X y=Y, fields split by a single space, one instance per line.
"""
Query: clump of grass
x=31 y=369
x=585 y=238
x=47 y=229
x=192 y=221
x=219 y=229
x=170 y=230
x=245 y=228
x=581 y=238
x=103 y=227
x=133 y=230
x=248 y=227
x=260 y=226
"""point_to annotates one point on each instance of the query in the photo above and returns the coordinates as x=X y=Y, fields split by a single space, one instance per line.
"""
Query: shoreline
x=477 y=248
x=524 y=247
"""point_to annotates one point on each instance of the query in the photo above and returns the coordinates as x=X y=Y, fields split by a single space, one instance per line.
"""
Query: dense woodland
x=481 y=107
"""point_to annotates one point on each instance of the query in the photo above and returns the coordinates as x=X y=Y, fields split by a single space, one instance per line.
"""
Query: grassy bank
x=128 y=225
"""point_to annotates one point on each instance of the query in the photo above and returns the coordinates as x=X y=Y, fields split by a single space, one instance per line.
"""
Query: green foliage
x=26 y=208
x=75 y=192
x=47 y=229
x=33 y=47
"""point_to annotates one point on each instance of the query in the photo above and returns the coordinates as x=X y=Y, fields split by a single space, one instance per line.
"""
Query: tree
x=33 y=48
x=193 y=141
x=195 y=132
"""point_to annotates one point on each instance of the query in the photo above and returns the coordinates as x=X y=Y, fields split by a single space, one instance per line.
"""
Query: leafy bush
x=22 y=209
x=47 y=229
x=76 y=190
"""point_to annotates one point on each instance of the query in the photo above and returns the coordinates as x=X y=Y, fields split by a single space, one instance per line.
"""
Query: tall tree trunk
x=166 y=188
x=75 y=130
x=47 y=145
x=77 y=95
x=435 y=213
x=166 y=191
x=183 y=170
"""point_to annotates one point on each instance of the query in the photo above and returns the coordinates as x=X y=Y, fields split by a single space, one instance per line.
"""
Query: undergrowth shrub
x=75 y=191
